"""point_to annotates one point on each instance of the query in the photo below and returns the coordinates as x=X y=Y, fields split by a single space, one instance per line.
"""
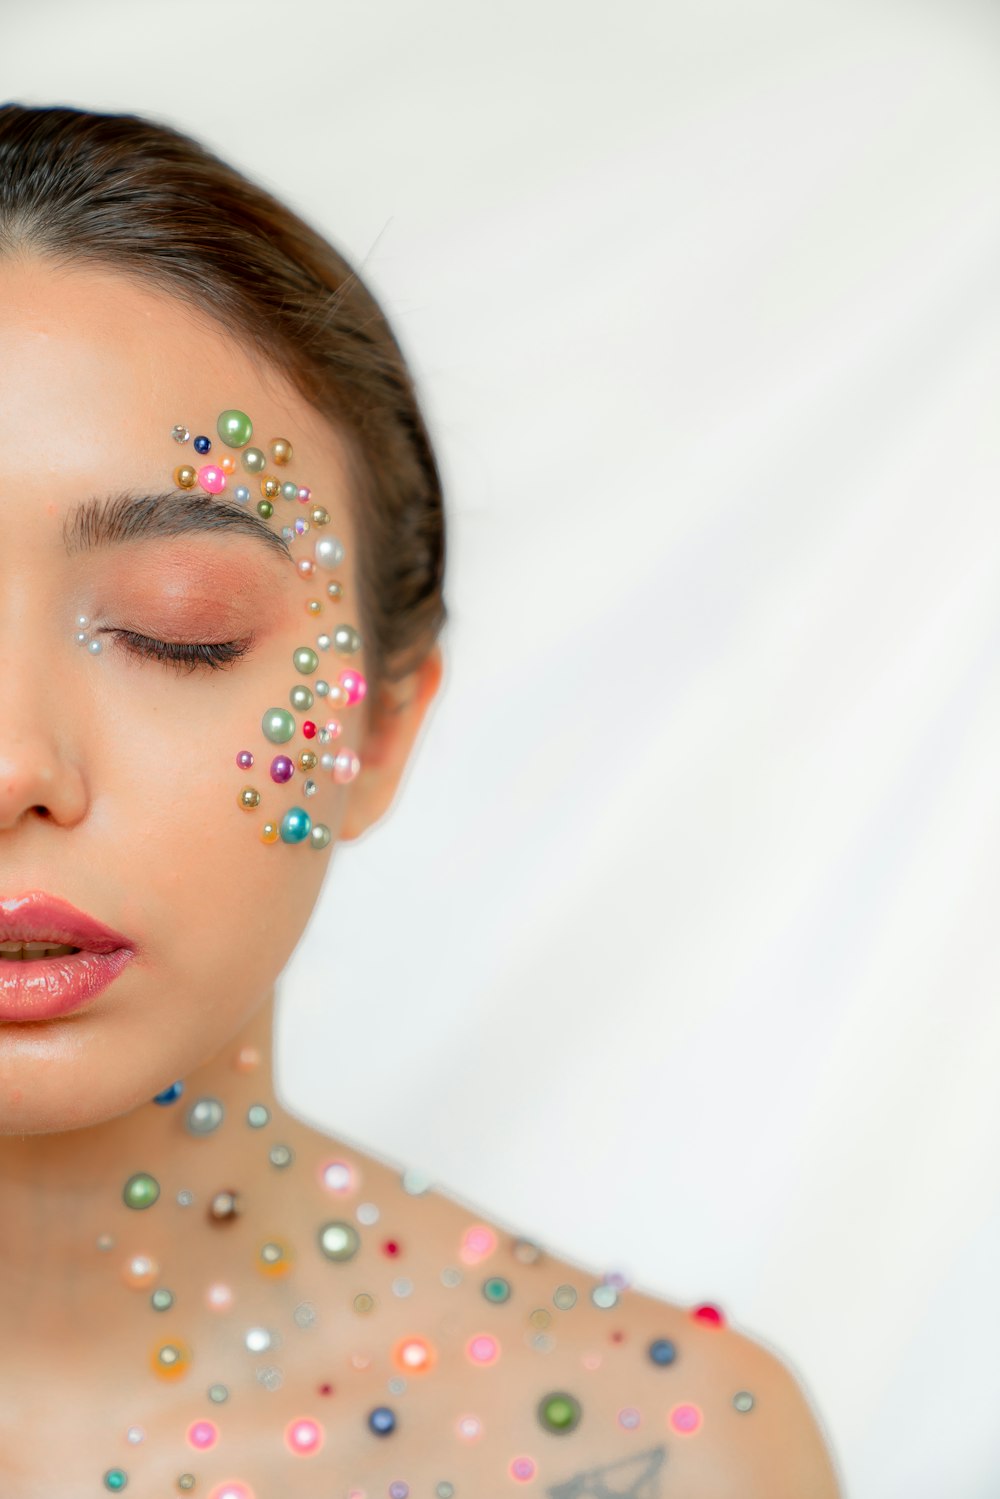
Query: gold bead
x=281 y=450
x=319 y=516
x=307 y=760
x=270 y=487
x=171 y=1360
x=314 y=606
x=269 y=833
x=249 y=798
x=185 y=477
x=275 y=1258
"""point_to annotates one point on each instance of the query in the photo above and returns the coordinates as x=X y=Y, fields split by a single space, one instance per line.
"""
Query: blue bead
x=295 y=825
x=382 y=1420
x=202 y=445
x=662 y=1351
x=171 y=1094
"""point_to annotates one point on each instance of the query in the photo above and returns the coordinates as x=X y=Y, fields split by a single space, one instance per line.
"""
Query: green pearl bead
x=339 y=1240
x=116 y=1479
x=320 y=835
x=265 y=508
x=301 y=698
x=235 y=428
x=253 y=460
x=277 y=725
x=141 y=1190
x=289 y=491
x=559 y=1412
x=305 y=660
x=346 y=640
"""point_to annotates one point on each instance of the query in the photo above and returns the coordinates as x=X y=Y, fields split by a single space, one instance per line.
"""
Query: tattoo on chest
x=630 y=1478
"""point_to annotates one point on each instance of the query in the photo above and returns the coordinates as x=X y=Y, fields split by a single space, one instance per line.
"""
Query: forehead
x=96 y=368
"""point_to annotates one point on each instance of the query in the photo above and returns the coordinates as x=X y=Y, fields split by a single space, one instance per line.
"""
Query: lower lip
x=42 y=988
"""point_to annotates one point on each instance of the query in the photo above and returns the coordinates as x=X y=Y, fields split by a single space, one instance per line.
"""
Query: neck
x=67 y=1232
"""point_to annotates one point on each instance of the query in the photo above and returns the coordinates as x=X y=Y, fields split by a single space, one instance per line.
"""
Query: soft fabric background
x=679 y=950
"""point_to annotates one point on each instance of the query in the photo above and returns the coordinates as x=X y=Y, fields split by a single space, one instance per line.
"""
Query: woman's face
x=120 y=784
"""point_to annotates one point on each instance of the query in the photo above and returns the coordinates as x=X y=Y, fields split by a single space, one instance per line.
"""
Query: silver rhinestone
x=270 y=1377
x=280 y=1155
x=185 y=1198
x=450 y=1277
x=309 y=788
x=257 y=1116
x=305 y=1314
x=402 y=1287
x=543 y=1342
x=180 y=433
x=218 y=1394
x=397 y=1385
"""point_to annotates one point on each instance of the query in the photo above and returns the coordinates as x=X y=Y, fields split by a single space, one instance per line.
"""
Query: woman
x=222 y=573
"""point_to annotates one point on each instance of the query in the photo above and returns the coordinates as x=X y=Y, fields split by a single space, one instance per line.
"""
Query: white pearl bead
x=329 y=552
x=81 y=637
x=94 y=647
x=83 y=620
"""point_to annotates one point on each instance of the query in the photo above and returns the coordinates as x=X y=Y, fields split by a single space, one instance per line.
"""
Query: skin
x=134 y=763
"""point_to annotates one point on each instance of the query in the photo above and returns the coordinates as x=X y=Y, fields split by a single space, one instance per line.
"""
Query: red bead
x=709 y=1314
x=390 y=1246
x=309 y=728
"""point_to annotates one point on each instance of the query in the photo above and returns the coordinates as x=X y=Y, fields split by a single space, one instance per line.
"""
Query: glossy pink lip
x=46 y=987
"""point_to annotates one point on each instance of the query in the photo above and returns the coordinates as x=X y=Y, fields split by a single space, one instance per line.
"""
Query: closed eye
x=214 y=655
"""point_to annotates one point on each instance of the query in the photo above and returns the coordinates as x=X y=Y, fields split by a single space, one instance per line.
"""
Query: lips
x=40 y=917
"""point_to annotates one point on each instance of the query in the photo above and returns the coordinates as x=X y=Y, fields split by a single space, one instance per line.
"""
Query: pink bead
x=355 y=685
x=709 y=1314
x=212 y=479
x=332 y=728
x=477 y=1242
x=219 y=1297
x=244 y=759
x=202 y=1435
x=305 y=495
x=304 y=1436
x=523 y=1469
x=232 y=1488
x=345 y=767
x=483 y=1349
x=338 y=1176
x=685 y=1418
x=305 y=567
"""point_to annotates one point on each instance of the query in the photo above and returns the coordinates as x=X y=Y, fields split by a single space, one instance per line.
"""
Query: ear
x=393 y=724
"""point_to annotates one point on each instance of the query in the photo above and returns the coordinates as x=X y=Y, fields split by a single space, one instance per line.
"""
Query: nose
x=40 y=773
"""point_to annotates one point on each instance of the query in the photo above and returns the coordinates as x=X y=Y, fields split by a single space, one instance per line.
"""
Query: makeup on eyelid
x=252 y=478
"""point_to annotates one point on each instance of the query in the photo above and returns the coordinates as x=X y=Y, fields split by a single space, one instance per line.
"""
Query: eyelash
x=214 y=656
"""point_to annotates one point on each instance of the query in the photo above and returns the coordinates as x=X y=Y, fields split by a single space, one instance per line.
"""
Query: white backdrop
x=678 y=951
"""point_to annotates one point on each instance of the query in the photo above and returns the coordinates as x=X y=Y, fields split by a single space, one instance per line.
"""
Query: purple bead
x=244 y=759
x=282 y=769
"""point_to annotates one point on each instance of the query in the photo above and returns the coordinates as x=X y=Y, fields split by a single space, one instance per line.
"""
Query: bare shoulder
x=491 y=1361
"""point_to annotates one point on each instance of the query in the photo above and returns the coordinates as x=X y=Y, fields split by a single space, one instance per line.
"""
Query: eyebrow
x=110 y=520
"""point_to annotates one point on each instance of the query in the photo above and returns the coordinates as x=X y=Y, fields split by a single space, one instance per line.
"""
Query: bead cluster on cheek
x=278 y=725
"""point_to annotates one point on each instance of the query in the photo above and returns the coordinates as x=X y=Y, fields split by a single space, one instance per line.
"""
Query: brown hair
x=130 y=193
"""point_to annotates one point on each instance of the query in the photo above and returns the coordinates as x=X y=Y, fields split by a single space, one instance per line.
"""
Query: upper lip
x=38 y=916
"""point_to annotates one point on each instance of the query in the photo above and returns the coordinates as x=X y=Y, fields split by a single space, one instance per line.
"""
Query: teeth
x=13 y=952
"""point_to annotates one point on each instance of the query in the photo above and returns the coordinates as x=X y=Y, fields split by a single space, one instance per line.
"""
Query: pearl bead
x=241 y=493
x=235 y=428
x=305 y=660
x=95 y=647
x=265 y=509
x=212 y=479
x=327 y=761
x=339 y=1240
x=346 y=640
x=559 y=1412
x=277 y=725
x=269 y=487
x=205 y=1116
x=281 y=450
x=322 y=688
x=335 y=590
x=319 y=515
x=83 y=620
x=305 y=494
x=253 y=460
x=301 y=698
x=307 y=760
x=329 y=552
x=282 y=769
x=354 y=684
x=180 y=433
x=185 y=477
x=139 y=1271
x=289 y=491
x=249 y=798
x=227 y=465
x=305 y=567
x=202 y=444
x=269 y=833
x=295 y=825
x=346 y=766
x=320 y=835
x=81 y=637
x=324 y=641
x=141 y=1190
x=244 y=759
x=314 y=606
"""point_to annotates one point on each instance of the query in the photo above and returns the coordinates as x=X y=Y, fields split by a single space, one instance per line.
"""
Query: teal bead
x=278 y=725
x=496 y=1289
x=289 y=491
x=253 y=460
x=295 y=825
x=235 y=428
x=141 y=1190
x=305 y=660
x=116 y=1479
